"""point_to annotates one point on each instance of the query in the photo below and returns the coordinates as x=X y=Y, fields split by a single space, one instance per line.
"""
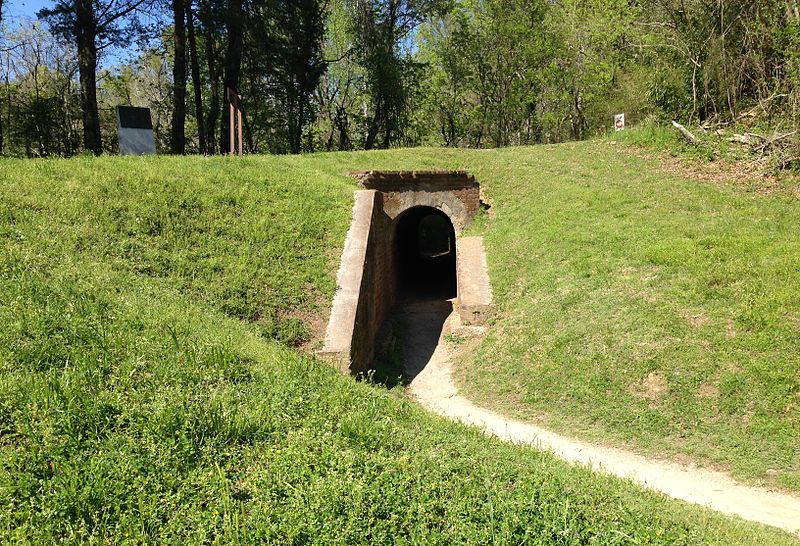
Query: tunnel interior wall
x=377 y=291
x=423 y=246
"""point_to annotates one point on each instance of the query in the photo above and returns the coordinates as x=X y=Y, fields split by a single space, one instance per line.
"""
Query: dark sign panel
x=133 y=117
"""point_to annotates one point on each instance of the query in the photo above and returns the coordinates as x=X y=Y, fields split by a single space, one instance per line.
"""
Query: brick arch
x=444 y=201
x=456 y=193
x=453 y=213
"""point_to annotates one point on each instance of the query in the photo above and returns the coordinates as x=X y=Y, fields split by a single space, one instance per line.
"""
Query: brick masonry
x=456 y=193
x=366 y=278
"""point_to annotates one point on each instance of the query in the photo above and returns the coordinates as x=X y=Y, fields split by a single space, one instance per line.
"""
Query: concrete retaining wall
x=360 y=305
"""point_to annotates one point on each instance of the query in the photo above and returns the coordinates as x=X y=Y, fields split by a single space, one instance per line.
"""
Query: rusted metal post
x=231 y=128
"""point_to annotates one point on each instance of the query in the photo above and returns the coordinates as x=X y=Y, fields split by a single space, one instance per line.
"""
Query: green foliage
x=39 y=100
x=652 y=135
x=477 y=73
x=286 y=39
x=715 y=59
x=134 y=410
x=514 y=72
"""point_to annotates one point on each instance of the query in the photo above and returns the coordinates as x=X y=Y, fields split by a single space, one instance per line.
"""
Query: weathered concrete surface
x=474 y=290
x=355 y=317
x=434 y=388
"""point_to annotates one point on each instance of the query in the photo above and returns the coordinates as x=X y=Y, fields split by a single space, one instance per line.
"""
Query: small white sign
x=619 y=122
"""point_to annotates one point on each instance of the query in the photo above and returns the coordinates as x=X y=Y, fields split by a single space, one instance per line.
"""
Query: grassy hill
x=149 y=391
x=641 y=308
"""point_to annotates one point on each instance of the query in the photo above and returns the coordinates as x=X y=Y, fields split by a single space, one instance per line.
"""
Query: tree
x=487 y=63
x=340 y=87
x=448 y=103
x=717 y=55
x=381 y=28
x=147 y=80
x=2 y=142
x=290 y=34
x=590 y=51
x=212 y=17
x=40 y=95
x=92 y=25
x=178 y=133
x=196 y=83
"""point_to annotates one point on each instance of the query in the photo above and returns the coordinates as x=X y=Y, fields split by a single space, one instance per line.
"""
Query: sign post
x=619 y=122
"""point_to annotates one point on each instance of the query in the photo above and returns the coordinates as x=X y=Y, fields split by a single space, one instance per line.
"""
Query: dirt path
x=427 y=365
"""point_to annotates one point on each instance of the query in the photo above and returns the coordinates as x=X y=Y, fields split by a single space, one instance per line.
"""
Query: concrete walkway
x=428 y=371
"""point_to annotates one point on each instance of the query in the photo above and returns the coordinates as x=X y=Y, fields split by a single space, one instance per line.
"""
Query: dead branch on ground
x=686 y=133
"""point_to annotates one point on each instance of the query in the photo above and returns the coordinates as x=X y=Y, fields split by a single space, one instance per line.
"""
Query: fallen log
x=686 y=133
x=790 y=163
x=740 y=139
x=777 y=138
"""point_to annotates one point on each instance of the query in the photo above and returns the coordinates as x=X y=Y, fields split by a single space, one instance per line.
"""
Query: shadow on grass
x=407 y=341
x=387 y=368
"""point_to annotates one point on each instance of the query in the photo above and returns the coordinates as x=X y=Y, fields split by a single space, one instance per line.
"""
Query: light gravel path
x=427 y=360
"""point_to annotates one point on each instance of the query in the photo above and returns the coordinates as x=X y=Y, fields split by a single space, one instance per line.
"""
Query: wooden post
x=235 y=122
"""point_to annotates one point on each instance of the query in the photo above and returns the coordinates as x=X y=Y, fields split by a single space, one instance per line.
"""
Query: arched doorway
x=425 y=255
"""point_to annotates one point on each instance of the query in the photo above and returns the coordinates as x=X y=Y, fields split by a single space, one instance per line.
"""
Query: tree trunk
x=213 y=76
x=295 y=114
x=196 y=84
x=85 y=36
x=374 y=126
x=301 y=115
x=177 y=143
x=213 y=113
x=1 y=104
x=233 y=64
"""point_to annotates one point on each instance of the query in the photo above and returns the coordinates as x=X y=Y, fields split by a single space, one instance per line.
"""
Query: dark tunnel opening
x=425 y=246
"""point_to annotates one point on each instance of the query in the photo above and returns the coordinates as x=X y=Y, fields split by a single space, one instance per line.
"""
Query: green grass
x=639 y=308
x=665 y=138
x=652 y=135
x=214 y=229
x=149 y=393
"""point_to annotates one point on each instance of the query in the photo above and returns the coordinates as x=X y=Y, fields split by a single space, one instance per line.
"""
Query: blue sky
x=17 y=11
x=24 y=8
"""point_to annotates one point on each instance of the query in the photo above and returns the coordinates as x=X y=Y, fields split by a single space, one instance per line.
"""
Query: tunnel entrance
x=425 y=255
x=401 y=255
